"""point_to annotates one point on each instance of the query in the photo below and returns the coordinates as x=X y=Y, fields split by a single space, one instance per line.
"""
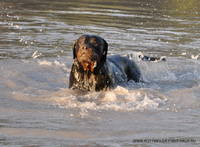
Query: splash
x=36 y=54
x=119 y=99
x=54 y=63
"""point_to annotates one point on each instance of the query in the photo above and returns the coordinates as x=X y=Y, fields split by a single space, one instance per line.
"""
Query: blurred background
x=168 y=27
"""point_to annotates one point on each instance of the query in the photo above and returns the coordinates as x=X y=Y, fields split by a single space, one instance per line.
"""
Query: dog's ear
x=74 y=49
x=105 y=50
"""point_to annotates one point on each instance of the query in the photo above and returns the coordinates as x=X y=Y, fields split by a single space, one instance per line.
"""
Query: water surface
x=37 y=108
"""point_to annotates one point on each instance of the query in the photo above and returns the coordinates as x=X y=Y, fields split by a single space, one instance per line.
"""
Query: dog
x=92 y=70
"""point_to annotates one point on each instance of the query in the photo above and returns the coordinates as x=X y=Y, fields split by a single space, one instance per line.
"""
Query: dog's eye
x=83 y=47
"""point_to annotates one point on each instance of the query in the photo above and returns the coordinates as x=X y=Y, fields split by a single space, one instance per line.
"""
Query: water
x=38 y=110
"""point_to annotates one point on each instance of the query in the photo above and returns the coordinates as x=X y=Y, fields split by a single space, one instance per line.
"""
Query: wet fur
x=110 y=72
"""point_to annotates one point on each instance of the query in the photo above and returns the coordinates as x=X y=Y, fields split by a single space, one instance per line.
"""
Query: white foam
x=44 y=62
x=184 y=53
x=57 y=63
x=36 y=54
x=54 y=63
x=109 y=97
x=148 y=103
x=195 y=57
x=119 y=99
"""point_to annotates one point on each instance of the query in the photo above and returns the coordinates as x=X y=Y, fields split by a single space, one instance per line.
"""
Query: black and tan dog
x=92 y=70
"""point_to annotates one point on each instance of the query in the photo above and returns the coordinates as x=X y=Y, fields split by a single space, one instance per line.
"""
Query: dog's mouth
x=89 y=65
x=88 y=59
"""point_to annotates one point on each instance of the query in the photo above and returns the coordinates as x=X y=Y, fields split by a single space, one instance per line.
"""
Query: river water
x=38 y=110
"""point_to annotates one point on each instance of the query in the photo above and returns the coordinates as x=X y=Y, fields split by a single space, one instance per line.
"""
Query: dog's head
x=90 y=51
